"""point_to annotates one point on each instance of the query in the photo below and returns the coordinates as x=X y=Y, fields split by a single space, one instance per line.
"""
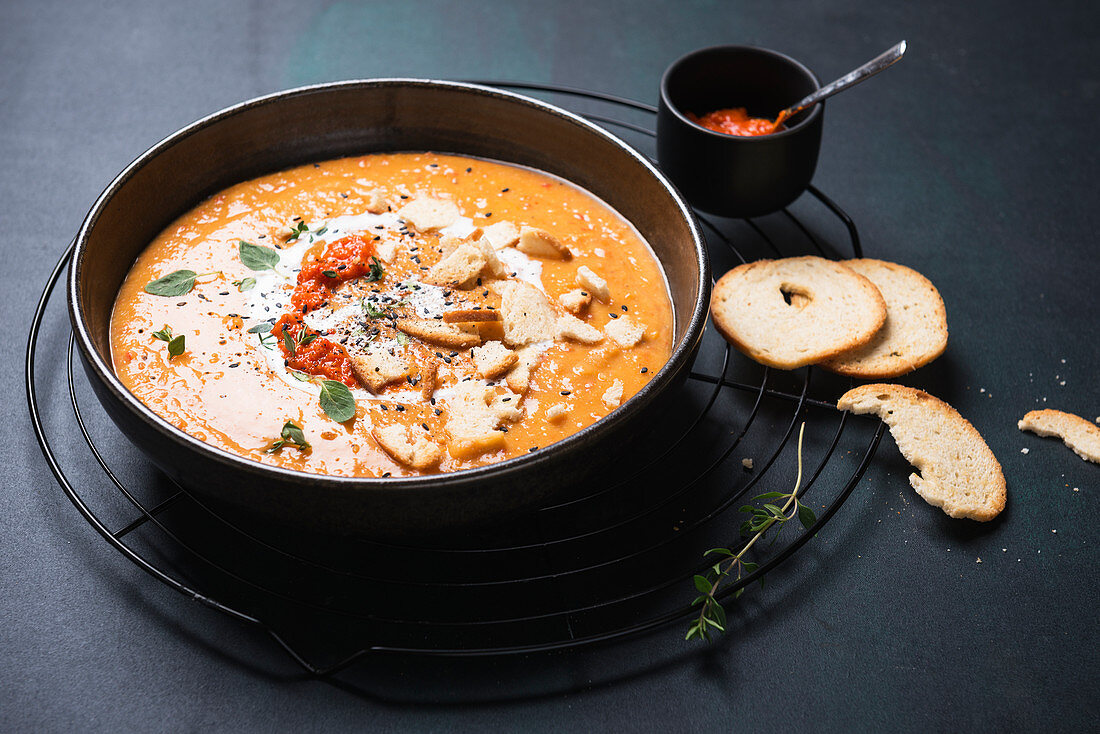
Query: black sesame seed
x=625 y=308
x=565 y=392
x=613 y=315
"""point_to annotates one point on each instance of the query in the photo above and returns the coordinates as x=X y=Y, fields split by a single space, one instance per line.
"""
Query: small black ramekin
x=731 y=175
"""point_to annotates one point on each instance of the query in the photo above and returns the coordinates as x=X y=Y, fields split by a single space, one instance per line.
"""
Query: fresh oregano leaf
x=702 y=584
x=245 y=284
x=337 y=401
x=165 y=334
x=261 y=328
x=257 y=257
x=288 y=342
x=376 y=270
x=176 y=283
x=176 y=346
x=806 y=516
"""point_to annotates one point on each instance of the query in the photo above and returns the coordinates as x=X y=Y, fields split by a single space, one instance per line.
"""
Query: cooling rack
x=615 y=562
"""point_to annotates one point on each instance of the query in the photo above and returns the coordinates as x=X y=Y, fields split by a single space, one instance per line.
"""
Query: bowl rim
x=814 y=113
x=681 y=352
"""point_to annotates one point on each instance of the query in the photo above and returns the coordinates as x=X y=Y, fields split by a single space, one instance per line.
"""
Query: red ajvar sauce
x=734 y=121
x=344 y=259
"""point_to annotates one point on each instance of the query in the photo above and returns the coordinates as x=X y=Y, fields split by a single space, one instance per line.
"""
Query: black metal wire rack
x=617 y=562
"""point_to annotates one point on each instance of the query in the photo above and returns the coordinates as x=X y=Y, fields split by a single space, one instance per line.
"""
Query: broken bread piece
x=423 y=453
x=956 y=470
x=592 y=283
x=527 y=361
x=527 y=313
x=624 y=331
x=428 y=214
x=376 y=367
x=1077 y=433
x=540 y=243
x=493 y=359
x=796 y=311
x=437 y=332
x=502 y=234
x=376 y=201
x=573 y=329
x=613 y=396
x=475 y=416
x=575 y=301
x=459 y=268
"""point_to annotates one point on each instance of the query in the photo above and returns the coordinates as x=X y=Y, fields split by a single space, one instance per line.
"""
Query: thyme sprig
x=712 y=615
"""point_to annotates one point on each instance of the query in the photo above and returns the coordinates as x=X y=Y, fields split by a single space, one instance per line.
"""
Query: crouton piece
x=376 y=201
x=575 y=301
x=421 y=453
x=493 y=266
x=437 y=332
x=448 y=243
x=527 y=361
x=457 y=269
x=376 y=367
x=613 y=396
x=540 y=243
x=493 y=359
x=386 y=250
x=471 y=316
x=624 y=331
x=502 y=234
x=475 y=414
x=426 y=377
x=572 y=328
x=528 y=316
x=427 y=214
x=593 y=283
x=556 y=412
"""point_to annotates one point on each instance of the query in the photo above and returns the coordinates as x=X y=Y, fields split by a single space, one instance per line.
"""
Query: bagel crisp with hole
x=796 y=311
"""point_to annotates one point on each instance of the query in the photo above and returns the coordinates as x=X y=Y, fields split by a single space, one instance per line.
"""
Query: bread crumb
x=556 y=412
x=747 y=463
x=1024 y=451
x=613 y=396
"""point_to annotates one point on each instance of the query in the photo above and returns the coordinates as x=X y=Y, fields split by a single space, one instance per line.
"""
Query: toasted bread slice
x=527 y=313
x=375 y=368
x=832 y=310
x=502 y=234
x=459 y=268
x=573 y=329
x=915 y=332
x=575 y=301
x=592 y=284
x=437 y=332
x=624 y=331
x=428 y=214
x=1076 y=432
x=957 y=471
x=471 y=316
x=493 y=359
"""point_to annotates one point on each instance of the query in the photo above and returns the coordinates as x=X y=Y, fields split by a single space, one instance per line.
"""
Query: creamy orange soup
x=392 y=315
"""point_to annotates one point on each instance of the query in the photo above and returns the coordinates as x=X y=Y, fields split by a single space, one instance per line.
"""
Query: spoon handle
x=872 y=67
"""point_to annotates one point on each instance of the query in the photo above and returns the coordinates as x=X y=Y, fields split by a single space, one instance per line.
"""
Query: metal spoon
x=872 y=67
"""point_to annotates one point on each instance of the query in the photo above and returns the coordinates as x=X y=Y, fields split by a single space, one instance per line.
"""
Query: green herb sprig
x=176 y=344
x=377 y=270
x=712 y=615
x=245 y=284
x=297 y=231
x=291 y=435
x=176 y=283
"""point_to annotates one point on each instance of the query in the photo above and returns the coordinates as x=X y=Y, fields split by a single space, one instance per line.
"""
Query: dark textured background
x=974 y=160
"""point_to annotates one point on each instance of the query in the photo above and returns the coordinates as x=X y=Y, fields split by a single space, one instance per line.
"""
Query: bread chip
x=493 y=359
x=471 y=316
x=423 y=453
x=527 y=361
x=376 y=367
x=593 y=284
x=428 y=214
x=624 y=331
x=426 y=377
x=915 y=332
x=575 y=301
x=376 y=201
x=458 y=269
x=502 y=234
x=839 y=310
x=957 y=471
x=556 y=412
x=573 y=329
x=475 y=414
x=528 y=316
x=1076 y=432
x=386 y=250
x=540 y=243
x=437 y=332
x=613 y=396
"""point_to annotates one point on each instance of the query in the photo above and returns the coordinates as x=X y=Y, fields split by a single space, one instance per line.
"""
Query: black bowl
x=732 y=175
x=350 y=118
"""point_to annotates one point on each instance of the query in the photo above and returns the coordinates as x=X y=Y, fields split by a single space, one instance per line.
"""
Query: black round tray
x=615 y=563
